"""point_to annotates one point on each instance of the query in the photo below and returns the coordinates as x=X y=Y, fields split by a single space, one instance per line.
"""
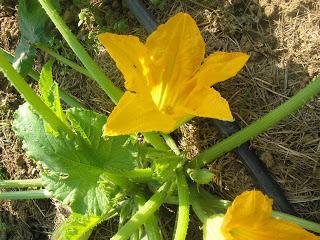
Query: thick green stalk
x=171 y=143
x=20 y=195
x=184 y=206
x=63 y=60
x=156 y=141
x=151 y=225
x=312 y=226
x=144 y=175
x=94 y=70
x=32 y=98
x=23 y=183
x=144 y=213
x=259 y=126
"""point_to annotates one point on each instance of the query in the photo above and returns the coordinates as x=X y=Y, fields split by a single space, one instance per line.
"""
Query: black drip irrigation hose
x=248 y=157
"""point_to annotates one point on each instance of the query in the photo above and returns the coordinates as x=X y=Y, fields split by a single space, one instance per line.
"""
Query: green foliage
x=200 y=176
x=121 y=25
x=76 y=227
x=83 y=174
x=162 y=162
x=50 y=94
x=24 y=57
x=83 y=15
x=32 y=22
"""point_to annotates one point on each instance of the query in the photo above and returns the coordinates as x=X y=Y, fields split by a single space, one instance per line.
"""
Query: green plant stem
x=171 y=143
x=140 y=175
x=71 y=101
x=184 y=206
x=63 y=59
x=20 y=195
x=94 y=70
x=32 y=98
x=309 y=225
x=261 y=125
x=23 y=183
x=143 y=214
x=151 y=225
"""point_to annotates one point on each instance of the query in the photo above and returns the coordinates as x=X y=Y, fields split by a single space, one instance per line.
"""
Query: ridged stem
x=22 y=183
x=184 y=206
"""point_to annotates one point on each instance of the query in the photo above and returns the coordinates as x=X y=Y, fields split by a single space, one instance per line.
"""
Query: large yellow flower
x=165 y=80
x=249 y=218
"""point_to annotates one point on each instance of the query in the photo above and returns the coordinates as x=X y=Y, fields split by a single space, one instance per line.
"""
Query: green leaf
x=50 y=95
x=85 y=176
x=163 y=163
x=200 y=176
x=24 y=57
x=32 y=22
x=76 y=227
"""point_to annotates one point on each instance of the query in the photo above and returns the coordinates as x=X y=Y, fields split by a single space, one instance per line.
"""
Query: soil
x=282 y=38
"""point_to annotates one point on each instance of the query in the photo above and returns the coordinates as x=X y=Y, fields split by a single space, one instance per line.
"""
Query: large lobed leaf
x=77 y=171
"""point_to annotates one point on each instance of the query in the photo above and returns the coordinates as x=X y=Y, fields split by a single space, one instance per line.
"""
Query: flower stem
x=94 y=70
x=32 y=98
x=184 y=206
x=259 y=126
x=309 y=225
x=21 y=195
x=23 y=183
x=151 y=225
x=143 y=214
x=171 y=143
x=63 y=60
x=156 y=141
x=140 y=175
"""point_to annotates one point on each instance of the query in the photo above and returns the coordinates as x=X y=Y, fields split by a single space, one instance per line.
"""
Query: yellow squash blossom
x=167 y=78
x=249 y=218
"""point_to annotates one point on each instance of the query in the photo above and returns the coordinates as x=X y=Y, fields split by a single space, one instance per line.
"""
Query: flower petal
x=131 y=58
x=176 y=50
x=221 y=66
x=249 y=218
x=136 y=113
x=207 y=102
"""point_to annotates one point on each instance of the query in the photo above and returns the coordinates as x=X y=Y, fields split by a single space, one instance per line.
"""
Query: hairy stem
x=259 y=126
x=23 y=183
x=151 y=225
x=21 y=195
x=32 y=98
x=144 y=213
x=140 y=175
x=184 y=206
